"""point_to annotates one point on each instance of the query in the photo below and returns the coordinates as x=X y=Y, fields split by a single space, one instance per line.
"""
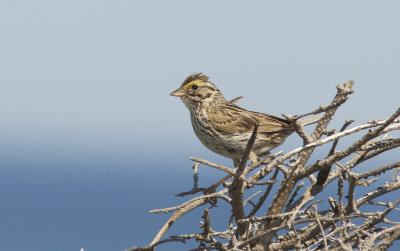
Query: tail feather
x=309 y=121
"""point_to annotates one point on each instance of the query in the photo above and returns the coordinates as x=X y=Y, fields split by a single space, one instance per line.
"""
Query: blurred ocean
x=100 y=202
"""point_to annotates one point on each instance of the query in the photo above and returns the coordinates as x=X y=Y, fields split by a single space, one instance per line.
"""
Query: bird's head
x=198 y=90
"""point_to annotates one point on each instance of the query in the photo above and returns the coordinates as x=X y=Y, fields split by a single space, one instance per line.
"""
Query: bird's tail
x=309 y=121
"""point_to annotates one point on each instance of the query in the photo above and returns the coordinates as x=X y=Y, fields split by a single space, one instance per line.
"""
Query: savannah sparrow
x=224 y=127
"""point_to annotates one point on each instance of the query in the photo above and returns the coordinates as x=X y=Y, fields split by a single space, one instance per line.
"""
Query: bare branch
x=264 y=196
x=292 y=220
x=219 y=167
x=236 y=189
x=320 y=227
x=195 y=188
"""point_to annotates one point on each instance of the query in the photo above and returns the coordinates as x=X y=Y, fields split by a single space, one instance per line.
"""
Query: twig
x=296 y=190
x=264 y=196
x=203 y=197
x=346 y=124
x=293 y=120
x=324 y=173
x=152 y=246
x=195 y=189
x=251 y=197
x=210 y=164
x=378 y=171
x=236 y=189
x=320 y=227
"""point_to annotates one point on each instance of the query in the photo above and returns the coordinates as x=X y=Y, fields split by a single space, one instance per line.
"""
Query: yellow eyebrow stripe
x=198 y=82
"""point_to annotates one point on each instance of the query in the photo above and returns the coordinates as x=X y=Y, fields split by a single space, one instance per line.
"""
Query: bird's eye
x=194 y=87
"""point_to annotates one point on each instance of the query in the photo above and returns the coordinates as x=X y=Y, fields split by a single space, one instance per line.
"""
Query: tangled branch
x=293 y=220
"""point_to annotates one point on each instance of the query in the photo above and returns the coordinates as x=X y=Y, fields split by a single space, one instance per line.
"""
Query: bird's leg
x=236 y=163
x=253 y=157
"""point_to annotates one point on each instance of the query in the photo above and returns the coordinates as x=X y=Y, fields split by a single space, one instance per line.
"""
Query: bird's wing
x=270 y=123
x=234 y=119
x=235 y=100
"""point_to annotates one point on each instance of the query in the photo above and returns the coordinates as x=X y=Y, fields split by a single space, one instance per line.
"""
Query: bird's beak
x=178 y=93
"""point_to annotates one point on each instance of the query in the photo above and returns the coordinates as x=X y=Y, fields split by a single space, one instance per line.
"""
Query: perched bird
x=224 y=127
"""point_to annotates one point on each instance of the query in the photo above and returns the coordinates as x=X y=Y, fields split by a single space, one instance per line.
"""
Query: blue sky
x=88 y=129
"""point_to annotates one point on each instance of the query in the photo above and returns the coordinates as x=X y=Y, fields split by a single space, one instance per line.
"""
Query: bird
x=225 y=128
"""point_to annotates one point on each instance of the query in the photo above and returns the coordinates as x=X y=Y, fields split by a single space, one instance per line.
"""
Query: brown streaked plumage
x=195 y=76
x=224 y=127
